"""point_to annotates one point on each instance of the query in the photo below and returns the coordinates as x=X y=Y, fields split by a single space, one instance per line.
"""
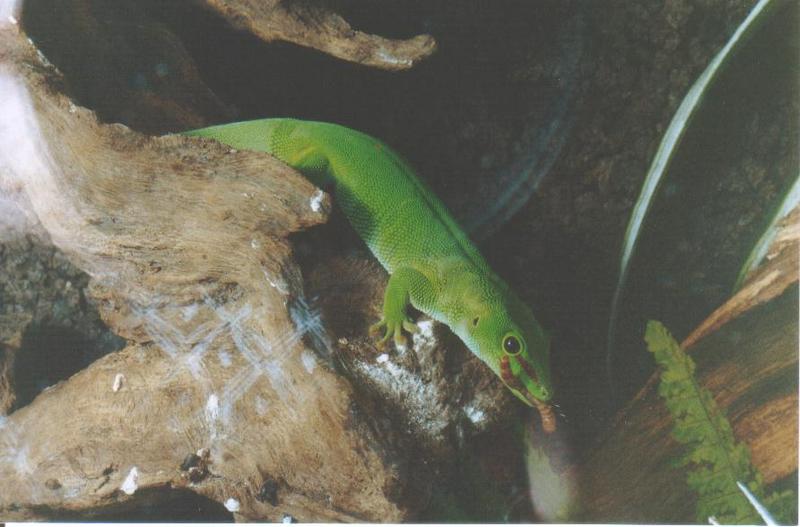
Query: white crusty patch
x=424 y=336
x=21 y=462
x=260 y=405
x=72 y=492
x=389 y=58
x=117 y=382
x=275 y=284
x=309 y=362
x=475 y=415
x=224 y=358
x=232 y=505
x=316 y=201
x=212 y=407
x=131 y=482
x=420 y=399
x=190 y=311
x=394 y=369
x=383 y=357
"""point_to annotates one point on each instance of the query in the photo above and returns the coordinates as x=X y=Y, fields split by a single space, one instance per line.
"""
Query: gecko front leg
x=406 y=286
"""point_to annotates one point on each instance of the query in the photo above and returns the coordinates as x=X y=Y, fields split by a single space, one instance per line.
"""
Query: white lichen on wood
x=316 y=201
x=118 y=378
x=131 y=483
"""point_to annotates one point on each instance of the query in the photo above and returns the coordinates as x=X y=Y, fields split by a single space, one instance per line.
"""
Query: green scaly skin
x=432 y=263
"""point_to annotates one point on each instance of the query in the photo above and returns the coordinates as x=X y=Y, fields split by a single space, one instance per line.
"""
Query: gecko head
x=510 y=340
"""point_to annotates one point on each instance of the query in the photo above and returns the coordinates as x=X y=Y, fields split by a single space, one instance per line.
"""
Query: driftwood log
x=142 y=74
x=112 y=200
x=226 y=387
x=316 y=27
x=10 y=341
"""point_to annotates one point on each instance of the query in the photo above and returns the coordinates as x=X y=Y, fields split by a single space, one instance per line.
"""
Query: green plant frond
x=782 y=504
x=716 y=461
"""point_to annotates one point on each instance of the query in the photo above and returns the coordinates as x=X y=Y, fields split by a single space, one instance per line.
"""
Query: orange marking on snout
x=529 y=370
x=508 y=377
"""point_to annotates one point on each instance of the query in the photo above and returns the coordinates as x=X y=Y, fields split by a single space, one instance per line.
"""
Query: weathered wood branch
x=11 y=328
x=186 y=245
x=779 y=271
x=225 y=387
x=313 y=26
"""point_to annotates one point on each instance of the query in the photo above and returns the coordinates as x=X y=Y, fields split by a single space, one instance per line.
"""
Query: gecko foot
x=393 y=328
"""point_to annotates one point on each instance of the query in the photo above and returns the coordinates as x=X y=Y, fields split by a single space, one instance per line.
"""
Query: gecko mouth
x=545 y=410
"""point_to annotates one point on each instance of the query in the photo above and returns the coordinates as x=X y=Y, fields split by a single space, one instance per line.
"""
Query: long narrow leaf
x=666 y=151
x=790 y=201
x=757 y=505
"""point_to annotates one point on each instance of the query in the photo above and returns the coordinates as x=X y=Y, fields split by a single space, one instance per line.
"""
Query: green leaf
x=666 y=152
x=716 y=461
x=790 y=200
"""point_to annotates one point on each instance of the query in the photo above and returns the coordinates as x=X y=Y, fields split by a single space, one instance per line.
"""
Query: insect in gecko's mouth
x=546 y=414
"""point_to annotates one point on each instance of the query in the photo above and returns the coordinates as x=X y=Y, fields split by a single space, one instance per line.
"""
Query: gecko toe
x=389 y=327
x=384 y=339
x=380 y=329
x=399 y=338
x=410 y=326
x=375 y=329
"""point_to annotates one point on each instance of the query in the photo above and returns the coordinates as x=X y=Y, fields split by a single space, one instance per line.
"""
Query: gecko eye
x=512 y=345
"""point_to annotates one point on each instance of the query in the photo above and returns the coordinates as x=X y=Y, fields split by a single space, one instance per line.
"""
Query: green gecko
x=432 y=264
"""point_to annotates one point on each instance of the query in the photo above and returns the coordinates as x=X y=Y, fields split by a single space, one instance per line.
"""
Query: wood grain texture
x=185 y=241
x=313 y=26
x=750 y=366
x=780 y=269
